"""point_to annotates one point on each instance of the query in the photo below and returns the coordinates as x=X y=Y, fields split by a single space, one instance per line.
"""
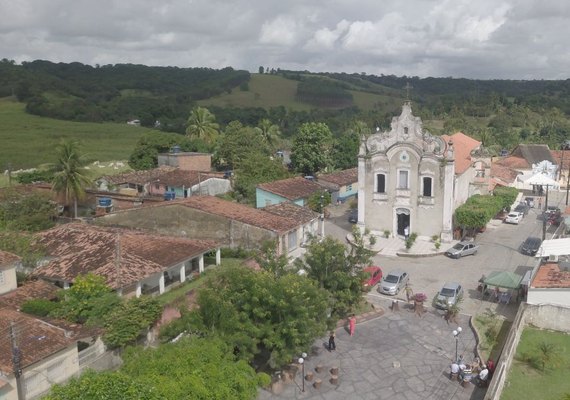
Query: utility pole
x=16 y=362
x=544 y=215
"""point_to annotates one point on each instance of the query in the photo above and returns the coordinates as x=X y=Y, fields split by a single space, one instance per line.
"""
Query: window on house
x=380 y=183
x=349 y=188
x=403 y=180
x=157 y=186
x=292 y=240
x=427 y=188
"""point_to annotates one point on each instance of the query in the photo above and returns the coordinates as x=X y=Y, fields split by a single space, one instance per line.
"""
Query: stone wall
x=182 y=221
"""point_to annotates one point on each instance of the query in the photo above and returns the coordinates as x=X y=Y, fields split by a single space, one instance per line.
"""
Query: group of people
x=483 y=372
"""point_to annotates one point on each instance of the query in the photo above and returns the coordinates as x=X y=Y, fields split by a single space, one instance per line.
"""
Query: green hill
x=28 y=140
x=268 y=91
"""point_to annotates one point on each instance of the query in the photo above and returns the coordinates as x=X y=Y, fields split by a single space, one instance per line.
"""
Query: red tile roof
x=7 y=259
x=292 y=188
x=178 y=178
x=38 y=289
x=513 y=162
x=239 y=212
x=561 y=157
x=291 y=210
x=36 y=339
x=503 y=173
x=80 y=248
x=340 y=178
x=139 y=177
x=463 y=145
x=550 y=276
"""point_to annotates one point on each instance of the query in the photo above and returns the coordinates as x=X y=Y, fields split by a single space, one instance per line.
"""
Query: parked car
x=353 y=216
x=552 y=210
x=461 y=249
x=531 y=245
x=393 y=282
x=555 y=219
x=522 y=208
x=373 y=275
x=448 y=295
x=513 y=217
x=529 y=201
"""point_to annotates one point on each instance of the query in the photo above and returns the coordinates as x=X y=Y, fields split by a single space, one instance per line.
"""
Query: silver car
x=462 y=249
x=448 y=295
x=393 y=282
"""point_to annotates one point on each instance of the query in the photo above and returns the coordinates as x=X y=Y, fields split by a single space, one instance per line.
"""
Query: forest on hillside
x=500 y=113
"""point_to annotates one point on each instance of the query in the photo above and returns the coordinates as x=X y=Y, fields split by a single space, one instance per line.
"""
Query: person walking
x=406 y=232
x=352 y=324
x=332 y=344
x=409 y=292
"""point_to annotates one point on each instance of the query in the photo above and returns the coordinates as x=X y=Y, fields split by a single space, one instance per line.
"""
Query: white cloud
x=480 y=39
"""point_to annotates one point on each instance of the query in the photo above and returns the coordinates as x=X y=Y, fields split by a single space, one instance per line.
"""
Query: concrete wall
x=463 y=189
x=187 y=161
x=212 y=187
x=559 y=296
x=58 y=368
x=178 y=220
x=264 y=199
x=8 y=279
x=9 y=390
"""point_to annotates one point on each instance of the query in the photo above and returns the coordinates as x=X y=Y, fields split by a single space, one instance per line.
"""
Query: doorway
x=402 y=220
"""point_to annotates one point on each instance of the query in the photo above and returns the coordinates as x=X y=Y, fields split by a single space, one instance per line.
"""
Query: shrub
x=372 y=240
x=39 y=307
x=421 y=297
x=435 y=238
x=239 y=252
x=437 y=245
x=386 y=233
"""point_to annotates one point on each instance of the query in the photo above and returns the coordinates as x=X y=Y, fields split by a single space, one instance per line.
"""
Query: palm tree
x=70 y=176
x=202 y=124
x=269 y=131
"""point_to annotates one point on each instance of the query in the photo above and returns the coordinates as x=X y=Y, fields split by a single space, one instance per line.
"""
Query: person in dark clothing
x=332 y=344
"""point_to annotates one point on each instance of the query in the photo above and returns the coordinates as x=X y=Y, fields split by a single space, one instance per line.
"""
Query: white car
x=514 y=218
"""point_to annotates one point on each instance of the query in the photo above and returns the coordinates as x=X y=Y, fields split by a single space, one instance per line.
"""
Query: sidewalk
x=393 y=247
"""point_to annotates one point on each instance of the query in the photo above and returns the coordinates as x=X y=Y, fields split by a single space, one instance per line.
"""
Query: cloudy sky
x=516 y=39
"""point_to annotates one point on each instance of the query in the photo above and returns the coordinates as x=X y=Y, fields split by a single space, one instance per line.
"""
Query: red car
x=373 y=276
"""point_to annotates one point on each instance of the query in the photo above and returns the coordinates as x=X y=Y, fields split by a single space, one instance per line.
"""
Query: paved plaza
x=397 y=356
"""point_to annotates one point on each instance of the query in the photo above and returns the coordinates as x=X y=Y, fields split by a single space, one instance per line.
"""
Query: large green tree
x=267 y=319
x=253 y=169
x=105 y=385
x=312 y=146
x=202 y=125
x=338 y=270
x=269 y=132
x=193 y=368
x=26 y=211
x=70 y=177
x=237 y=143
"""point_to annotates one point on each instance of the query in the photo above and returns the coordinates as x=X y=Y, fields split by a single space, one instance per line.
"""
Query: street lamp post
x=302 y=362
x=322 y=215
x=456 y=333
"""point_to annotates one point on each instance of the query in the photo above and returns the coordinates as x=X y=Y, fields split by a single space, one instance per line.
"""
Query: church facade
x=406 y=180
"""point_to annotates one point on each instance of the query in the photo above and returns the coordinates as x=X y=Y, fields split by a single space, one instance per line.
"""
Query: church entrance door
x=403 y=220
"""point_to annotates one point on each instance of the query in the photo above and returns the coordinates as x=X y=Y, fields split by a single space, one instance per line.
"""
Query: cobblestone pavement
x=397 y=356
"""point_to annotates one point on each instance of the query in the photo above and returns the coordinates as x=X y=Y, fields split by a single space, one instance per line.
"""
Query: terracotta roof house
x=550 y=285
x=46 y=356
x=472 y=170
x=36 y=289
x=132 y=262
x=529 y=160
x=502 y=175
x=228 y=223
x=183 y=183
x=342 y=185
x=297 y=189
x=8 y=264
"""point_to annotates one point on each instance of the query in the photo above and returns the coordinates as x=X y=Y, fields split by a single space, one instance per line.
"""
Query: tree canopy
x=311 y=151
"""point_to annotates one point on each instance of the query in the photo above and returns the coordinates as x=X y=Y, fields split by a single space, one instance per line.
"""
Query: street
x=498 y=251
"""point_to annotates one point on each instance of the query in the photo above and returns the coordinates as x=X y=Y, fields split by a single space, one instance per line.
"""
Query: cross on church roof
x=408 y=87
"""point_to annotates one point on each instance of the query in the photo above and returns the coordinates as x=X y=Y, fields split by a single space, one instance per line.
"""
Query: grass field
x=268 y=91
x=493 y=330
x=527 y=382
x=28 y=140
